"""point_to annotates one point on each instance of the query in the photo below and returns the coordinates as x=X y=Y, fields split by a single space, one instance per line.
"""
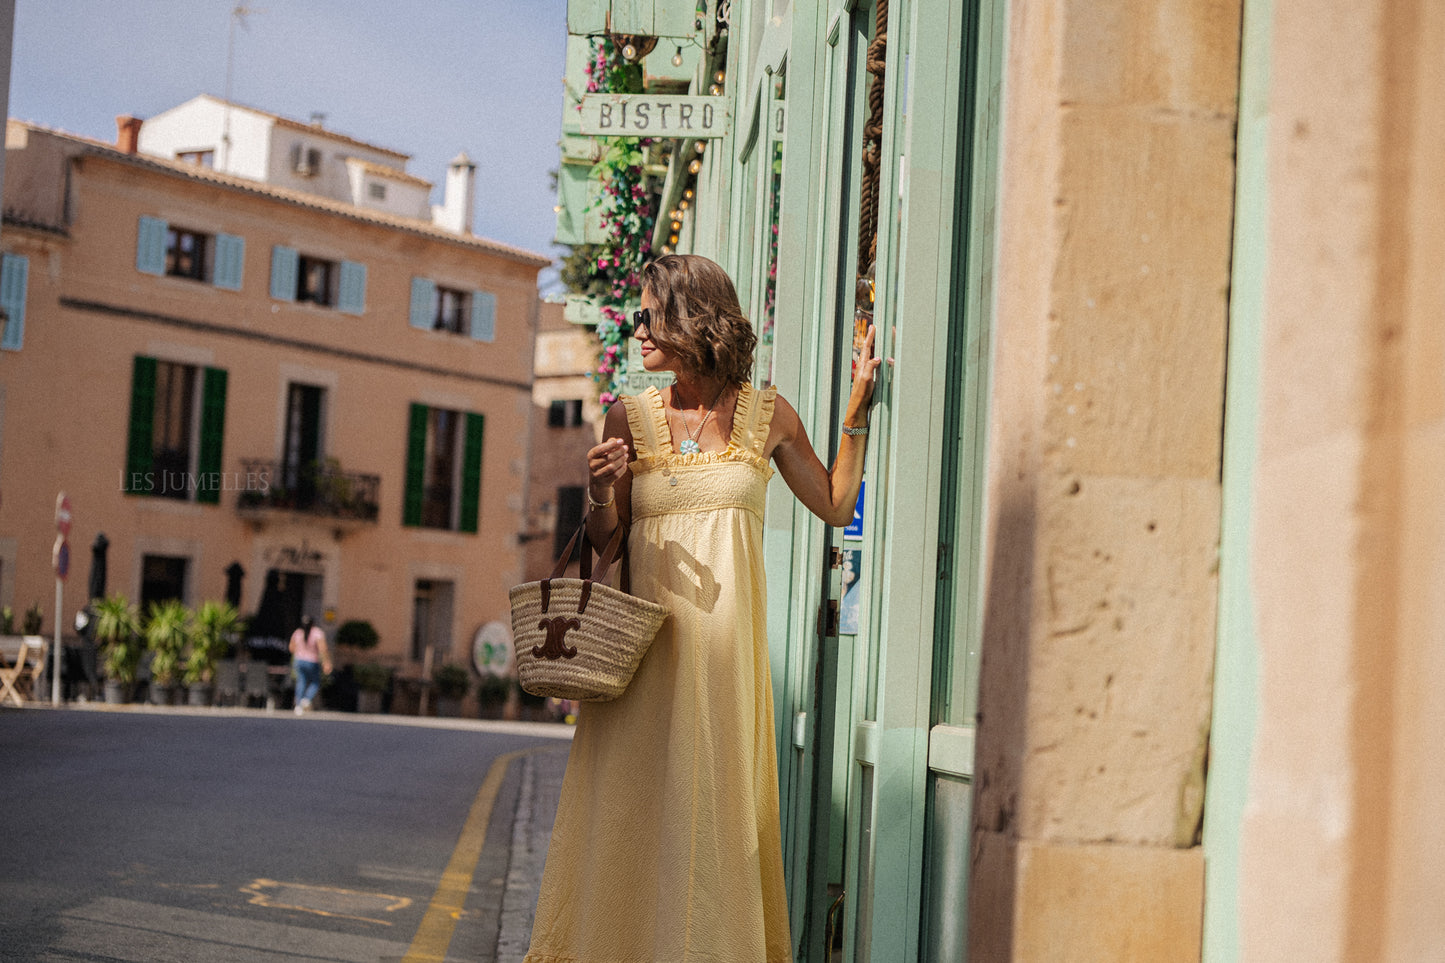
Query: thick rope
x=877 y=62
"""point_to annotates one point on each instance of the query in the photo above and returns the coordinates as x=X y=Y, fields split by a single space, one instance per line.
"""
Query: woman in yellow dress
x=667 y=846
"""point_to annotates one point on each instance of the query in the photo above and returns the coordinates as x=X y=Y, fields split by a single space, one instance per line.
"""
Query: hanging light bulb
x=676 y=226
x=715 y=90
x=672 y=240
x=557 y=209
x=694 y=167
x=682 y=206
x=687 y=193
x=720 y=76
x=629 y=52
x=677 y=58
x=701 y=146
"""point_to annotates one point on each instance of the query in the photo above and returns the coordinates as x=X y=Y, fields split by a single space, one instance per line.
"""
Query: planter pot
x=198 y=694
x=368 y=701
x=448 y=707
x=117 y=693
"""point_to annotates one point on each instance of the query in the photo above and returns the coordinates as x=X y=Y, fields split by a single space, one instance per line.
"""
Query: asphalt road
x=250 y=836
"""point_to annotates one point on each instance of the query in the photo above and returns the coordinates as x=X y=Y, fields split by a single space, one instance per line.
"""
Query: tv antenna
x=238 y=16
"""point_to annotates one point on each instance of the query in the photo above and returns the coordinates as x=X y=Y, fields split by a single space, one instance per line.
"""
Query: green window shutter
x=230 y=259
x=285 y=262
x=139 y=450
x=415 y=465
x=213 y=432
x=14 y=280
x=472 y=472
x=351 y=293
x=484 y=316
x=150 y=246
x=423 y=292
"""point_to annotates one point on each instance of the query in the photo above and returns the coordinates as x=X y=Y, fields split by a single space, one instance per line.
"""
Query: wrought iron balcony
x=320 y=488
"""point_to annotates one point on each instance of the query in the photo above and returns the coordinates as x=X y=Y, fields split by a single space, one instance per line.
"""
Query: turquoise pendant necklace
x=691 y=446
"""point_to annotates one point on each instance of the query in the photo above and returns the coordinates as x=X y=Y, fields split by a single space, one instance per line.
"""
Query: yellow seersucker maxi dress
x=667 y=845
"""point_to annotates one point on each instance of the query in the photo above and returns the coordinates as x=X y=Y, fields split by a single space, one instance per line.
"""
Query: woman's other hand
x=865 y=379
x=606 y=464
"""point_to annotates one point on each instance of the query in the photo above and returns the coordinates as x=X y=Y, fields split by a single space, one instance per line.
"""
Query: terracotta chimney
x=127 y=133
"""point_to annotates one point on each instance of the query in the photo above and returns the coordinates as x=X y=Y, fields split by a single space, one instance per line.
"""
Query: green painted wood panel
x=213 y=435
x=140 y=454
x=415 y=491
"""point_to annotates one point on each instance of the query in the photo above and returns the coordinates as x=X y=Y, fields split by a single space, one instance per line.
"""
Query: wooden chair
x=22 y=660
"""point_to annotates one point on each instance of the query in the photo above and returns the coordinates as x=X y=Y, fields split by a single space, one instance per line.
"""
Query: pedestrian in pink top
x=312 y=658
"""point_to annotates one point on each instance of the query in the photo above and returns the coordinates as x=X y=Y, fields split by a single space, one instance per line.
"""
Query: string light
x=694 y=167
x=677 y=58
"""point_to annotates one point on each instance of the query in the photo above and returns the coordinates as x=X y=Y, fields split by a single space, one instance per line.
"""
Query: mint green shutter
x=415 y=465
x=139 y=448
x=213 y=431
x=351 y=293
x=230 y=259
x=423 y=292
x=14 y=280
x=484 y=316
x=285 y=263
x=472 y=471
x=150 y=246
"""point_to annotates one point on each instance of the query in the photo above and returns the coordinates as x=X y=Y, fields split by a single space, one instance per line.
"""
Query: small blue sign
x=855 y=527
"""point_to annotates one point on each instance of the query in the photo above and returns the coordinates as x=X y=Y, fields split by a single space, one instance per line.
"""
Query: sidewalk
x=541 y=774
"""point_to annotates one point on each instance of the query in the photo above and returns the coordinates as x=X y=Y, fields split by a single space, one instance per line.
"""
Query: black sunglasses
x=642 y=319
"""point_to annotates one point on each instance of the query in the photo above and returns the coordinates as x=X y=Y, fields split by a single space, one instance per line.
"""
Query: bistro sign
x=647 y=115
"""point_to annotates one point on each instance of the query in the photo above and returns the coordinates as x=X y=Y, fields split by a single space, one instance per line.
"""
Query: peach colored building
x=322 y=389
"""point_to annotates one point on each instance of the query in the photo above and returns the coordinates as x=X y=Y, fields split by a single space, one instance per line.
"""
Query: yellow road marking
x=322 y=900
x=434 y=936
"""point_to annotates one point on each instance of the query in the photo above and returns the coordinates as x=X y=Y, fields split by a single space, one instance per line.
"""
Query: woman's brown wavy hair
x=698 y=319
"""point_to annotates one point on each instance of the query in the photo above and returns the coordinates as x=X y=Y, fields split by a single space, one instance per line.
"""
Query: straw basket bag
x=578 y=638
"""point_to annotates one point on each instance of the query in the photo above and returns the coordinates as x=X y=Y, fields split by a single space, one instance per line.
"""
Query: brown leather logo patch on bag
x=555 y=645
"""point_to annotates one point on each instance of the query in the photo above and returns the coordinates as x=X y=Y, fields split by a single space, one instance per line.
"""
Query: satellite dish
x=492 y=650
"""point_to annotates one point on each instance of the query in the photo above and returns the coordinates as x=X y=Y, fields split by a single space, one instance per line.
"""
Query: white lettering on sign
x=647 y=115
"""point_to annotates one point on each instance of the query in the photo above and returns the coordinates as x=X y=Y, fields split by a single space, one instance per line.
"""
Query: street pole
x=55 y=659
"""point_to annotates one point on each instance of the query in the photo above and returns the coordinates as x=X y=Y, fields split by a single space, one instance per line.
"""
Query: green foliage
x=494 y=689
x=452 y=681
x=7 y=621
x=215 y=629
x=371 y=676
x=118 y=633
x=34 y=618
x=167 y=633
x=357 y=634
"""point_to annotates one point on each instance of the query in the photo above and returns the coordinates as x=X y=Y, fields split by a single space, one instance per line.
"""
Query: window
x=436 y=307
x=316 y=280
x=305 y=161
x=177 y=424
x=452 y=311
x=565 y=413
x=167 y=251
x=376 y=191
x=443 y=469
x=186 y=254
x=14 y=280
x=569 y=516
x=162 y=578
x=201 y=158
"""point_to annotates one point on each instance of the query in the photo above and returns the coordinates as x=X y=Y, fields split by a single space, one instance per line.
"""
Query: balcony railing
x=322 y=489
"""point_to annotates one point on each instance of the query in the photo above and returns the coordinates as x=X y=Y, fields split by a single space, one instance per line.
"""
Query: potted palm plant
x=215 y=628
x=117 y=631
x=452 y=683
x=167 y=632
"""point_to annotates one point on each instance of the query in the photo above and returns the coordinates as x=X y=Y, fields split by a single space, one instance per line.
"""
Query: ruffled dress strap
x=752 y=418
x=647 y=420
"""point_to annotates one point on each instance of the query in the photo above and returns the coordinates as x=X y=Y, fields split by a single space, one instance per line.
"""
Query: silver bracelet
x=855 y=431
x=591 y=503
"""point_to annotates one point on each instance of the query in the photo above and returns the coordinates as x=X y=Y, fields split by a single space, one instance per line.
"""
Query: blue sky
x=430 y=78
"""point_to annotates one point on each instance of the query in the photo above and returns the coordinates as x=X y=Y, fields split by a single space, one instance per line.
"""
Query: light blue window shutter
x=230 y=258
x=150 y=246
x=285 y=262
x=423 y=293
x=484 y=316
x=351 y=293
x=14 y=279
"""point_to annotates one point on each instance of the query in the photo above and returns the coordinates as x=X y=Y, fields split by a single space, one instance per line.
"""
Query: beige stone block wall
x=1116 y=207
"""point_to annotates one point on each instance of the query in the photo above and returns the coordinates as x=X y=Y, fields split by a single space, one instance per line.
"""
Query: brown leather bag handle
x=604 y=562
